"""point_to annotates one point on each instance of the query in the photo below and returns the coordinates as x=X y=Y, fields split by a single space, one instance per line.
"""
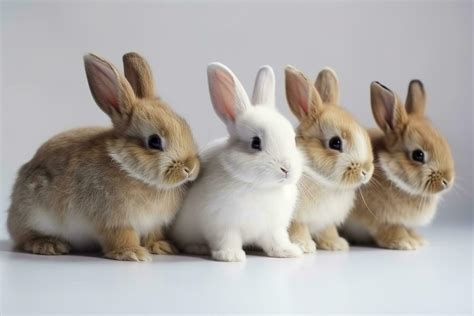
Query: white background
x=44 y=91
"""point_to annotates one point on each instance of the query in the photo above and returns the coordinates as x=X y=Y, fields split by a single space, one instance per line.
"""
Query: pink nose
x=284 y=170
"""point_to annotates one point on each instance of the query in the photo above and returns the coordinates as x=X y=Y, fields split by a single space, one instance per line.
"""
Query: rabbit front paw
x=288 y=251
x=228 y=255
x=419 y=239
x=405 y=243
x=129 y=254
x=162 y=247
x=306 y=245
x=334 y=244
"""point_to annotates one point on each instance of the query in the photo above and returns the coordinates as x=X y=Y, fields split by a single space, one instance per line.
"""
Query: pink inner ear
x=223 y=94
x=107 y=84
x=302 y=93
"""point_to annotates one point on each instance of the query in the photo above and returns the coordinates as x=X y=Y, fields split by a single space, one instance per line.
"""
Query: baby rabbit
x=117 y=187
x=338 y=160
x=413 y=167
x=248 y=185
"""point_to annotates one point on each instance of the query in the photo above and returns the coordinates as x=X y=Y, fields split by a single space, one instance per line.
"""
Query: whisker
x=363 y=200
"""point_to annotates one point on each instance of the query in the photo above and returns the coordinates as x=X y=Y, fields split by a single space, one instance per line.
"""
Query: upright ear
x=264 y=88
x=416 y=98
x=227 y=94
x=327 y=85
x=110 y=90
x=386 y=108
x=301 y=95
x=139 y=75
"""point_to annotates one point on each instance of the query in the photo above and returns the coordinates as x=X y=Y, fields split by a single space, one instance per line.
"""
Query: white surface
x=436 y=279
x=45 y=89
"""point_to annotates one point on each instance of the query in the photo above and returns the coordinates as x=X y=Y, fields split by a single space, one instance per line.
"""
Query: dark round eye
x=418 y=155
x=154 y=142
x=335 y=143
x=256 y=143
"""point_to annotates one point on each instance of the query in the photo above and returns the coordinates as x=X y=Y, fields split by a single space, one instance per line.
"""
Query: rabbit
x=338 y=157
x=414 y=166
x=115 y=188
x=248 y=185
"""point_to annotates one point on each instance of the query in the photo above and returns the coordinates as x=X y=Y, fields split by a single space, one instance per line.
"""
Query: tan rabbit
x=338 y=160
x=413 y=167
x=114 y=187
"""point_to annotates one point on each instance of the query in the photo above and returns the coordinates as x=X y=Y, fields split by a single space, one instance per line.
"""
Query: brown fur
x=108 y=176
x=320 y=116
x=385 y=209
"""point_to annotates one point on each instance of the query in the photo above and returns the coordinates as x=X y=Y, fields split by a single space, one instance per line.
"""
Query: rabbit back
x=72 y=189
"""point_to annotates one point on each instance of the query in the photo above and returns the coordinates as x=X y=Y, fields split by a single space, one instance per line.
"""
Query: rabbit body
x=338 y=159
x=414 y=167
x=67 y=196
x=246 y=193
x=117 y=188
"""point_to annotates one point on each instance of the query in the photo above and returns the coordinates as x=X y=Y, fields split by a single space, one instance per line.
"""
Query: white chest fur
x=422 y=216
x=319 y=207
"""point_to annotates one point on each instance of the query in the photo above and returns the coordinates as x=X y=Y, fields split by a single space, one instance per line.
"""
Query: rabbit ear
x=416 y=98
x=327 y=85
x=264 y=88
x=301 y=95
x=139 y=75
x=386 y=108
x=227 y=94
x=111 y=91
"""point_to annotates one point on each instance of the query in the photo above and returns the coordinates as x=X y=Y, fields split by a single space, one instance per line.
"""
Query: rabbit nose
x=445 y=183
x=187 y=171
x=284 y=170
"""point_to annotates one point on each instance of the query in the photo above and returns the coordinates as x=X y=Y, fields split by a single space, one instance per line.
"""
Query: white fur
x=402 y=185
x=120 y=160
x=426 y=216
x=79 y=231
x=133 y=170
x=72 y=227
x=360 y=150
x=324 y=206
x=242 y=197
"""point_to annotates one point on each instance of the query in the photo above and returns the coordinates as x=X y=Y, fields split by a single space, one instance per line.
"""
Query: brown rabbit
x=114 y=187
x=413 y=167
x=338 y=160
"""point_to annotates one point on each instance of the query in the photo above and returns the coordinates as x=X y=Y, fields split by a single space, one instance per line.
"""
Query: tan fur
x=108 y=177
x=329 y=239
x=387 y=210
x=319 y=114
x=300 y=235
x=123 y=244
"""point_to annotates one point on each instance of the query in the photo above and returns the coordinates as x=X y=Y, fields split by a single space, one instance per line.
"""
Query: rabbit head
x=338 y=150
x=151 y=142
x=261 y=148
x=414 y=155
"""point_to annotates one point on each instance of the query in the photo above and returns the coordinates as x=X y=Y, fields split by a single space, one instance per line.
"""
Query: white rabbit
x=248 y=186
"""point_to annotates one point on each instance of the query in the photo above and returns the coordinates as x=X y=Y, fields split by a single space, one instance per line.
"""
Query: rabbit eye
x=256 y=143
x=154 y=142
x=335 y=143
x=418 y=155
